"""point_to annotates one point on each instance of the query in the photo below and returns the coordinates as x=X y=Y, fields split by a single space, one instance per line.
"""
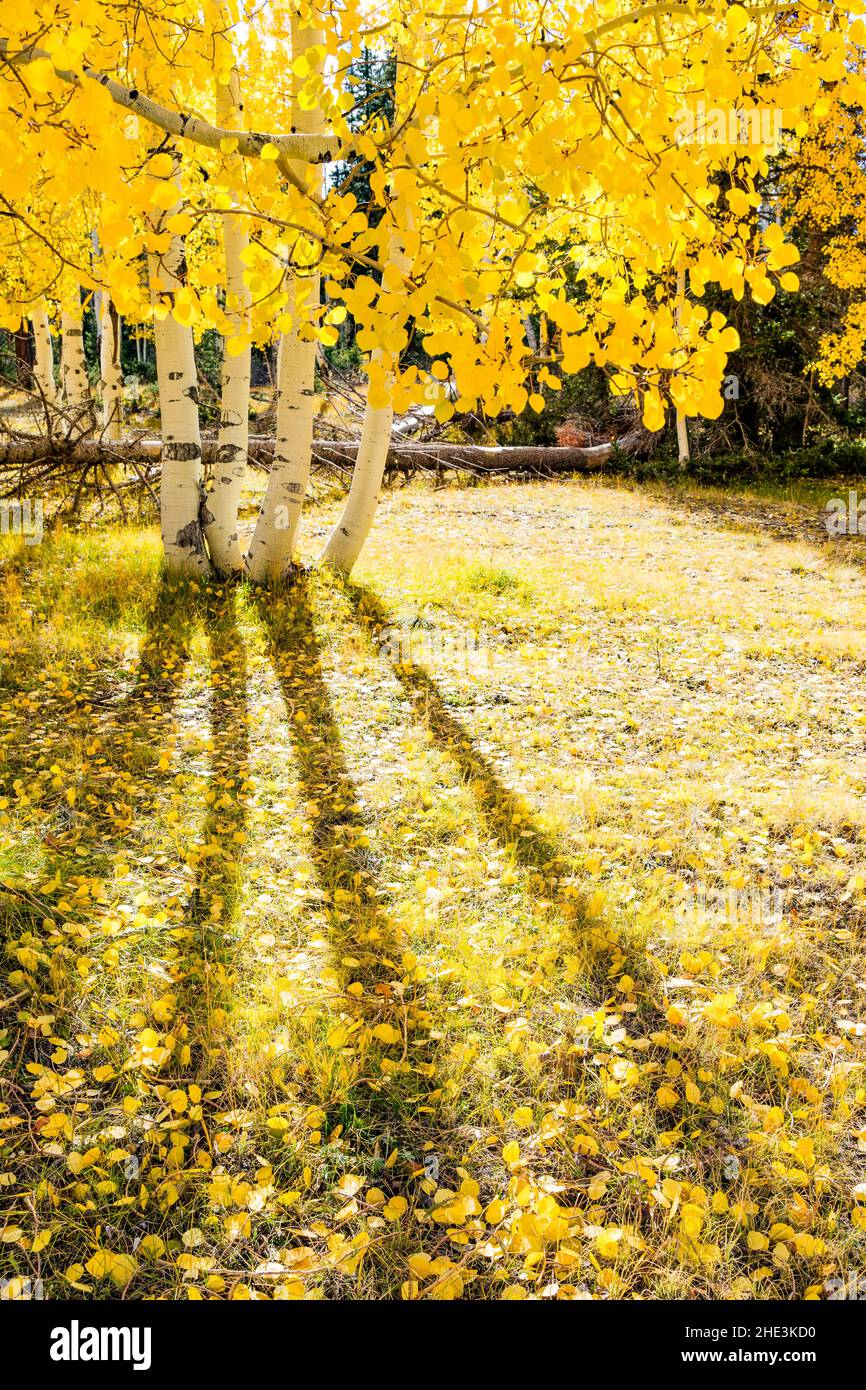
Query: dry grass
x=337 y=973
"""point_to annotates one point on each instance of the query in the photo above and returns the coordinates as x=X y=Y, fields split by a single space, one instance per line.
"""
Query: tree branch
x=311 y=149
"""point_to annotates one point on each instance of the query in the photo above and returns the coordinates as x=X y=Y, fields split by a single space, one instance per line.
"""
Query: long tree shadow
x=615 y=954
x=124 y=728
x=608 y=950
x=212 y=906
x=200 y=958
x=122 y=718
x=392 y=1101
x=132 y=721
x=125 y=720
x=507 y=814
x=181 y=968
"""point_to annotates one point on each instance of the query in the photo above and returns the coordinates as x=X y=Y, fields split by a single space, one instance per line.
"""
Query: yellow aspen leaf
x=692 y=1219
x=385 y=1033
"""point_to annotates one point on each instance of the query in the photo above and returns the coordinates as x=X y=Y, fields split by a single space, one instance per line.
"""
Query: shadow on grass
x=193 y=951
x=120 y=728
x=127 y=729
x=203 y=969
x=611 y=953
x=130 y=723
x=770 y=519
x=508 y=816
x=392 y=1101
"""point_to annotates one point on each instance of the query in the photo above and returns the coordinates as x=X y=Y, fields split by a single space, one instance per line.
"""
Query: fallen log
x=478 y=459
x=542 y=460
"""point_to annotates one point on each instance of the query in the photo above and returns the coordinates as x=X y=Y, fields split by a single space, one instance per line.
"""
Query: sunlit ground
x=491 y=927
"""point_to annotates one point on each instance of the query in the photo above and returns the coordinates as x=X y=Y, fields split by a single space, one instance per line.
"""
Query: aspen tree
x=111 y=373
x=181 y=485
x=273 y=540
x=353 y=527
x=683 y=451
x=73 y=364
x=221 y=515
x=43 y=356
x=562 y=163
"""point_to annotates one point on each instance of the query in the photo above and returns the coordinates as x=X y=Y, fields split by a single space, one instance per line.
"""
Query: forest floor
x=490 y=927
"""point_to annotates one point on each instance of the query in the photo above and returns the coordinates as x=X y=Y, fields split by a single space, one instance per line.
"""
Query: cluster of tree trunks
x=198 y=482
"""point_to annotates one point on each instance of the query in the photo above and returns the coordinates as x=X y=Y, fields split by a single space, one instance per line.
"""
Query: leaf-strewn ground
x=489 y=927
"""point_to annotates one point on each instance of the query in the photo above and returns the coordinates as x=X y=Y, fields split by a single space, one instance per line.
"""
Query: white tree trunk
x=683 y=451
x=110 y=371
x=271 y=547
x=351 y=531
x=43 y=356
x=180 y=490
x=270 y=552
x=346 y=541
x=221 y=515
x=683 y=439
x=73 y=365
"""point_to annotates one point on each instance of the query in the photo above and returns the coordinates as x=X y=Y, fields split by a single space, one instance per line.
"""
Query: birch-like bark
x=110 y=371
x=346 y=541
x=181 y=484
x=272 y=544
x=683 y=451
x=270 y=552
x=320 y=147
x=221 y=514
x=43 y=363
x=73 y=364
